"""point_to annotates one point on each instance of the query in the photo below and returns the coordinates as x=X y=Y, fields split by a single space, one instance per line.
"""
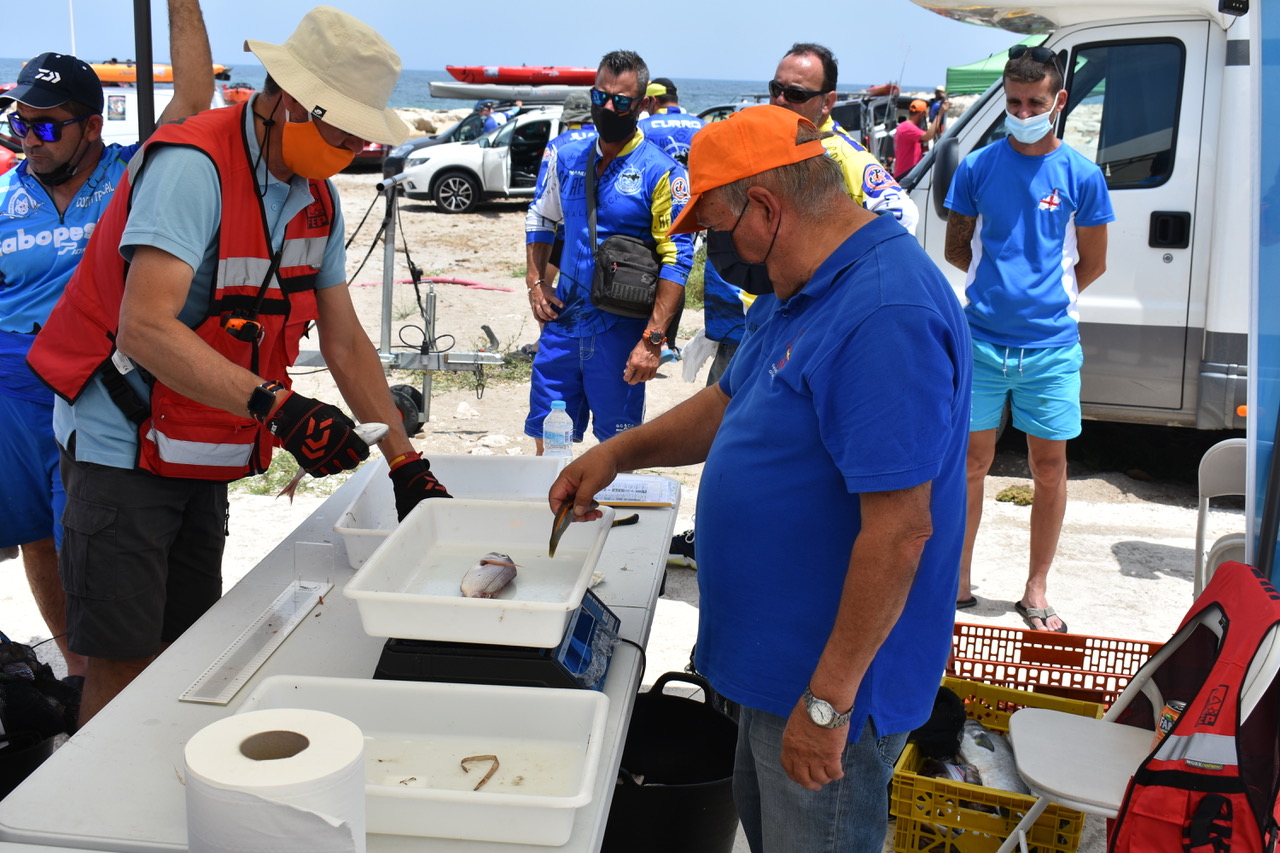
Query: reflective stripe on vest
x=1201 y=746
x=232 y=457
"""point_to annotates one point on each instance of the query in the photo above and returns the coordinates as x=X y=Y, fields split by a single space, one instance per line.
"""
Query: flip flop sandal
x=1029 y=614
x=966 y=603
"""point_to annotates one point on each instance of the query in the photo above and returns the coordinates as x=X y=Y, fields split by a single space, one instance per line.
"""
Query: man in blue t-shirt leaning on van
x=1044 y=210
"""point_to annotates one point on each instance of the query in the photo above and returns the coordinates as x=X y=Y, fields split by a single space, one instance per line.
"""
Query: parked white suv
x=501 y=163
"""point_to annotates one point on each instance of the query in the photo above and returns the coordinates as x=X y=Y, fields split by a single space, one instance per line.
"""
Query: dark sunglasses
x=46 y=131
x=792 y=94
x=621 y=103
x=1038 y=54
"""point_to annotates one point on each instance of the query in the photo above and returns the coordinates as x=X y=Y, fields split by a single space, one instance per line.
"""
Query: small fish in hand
x=369 y=433
x=488 y=577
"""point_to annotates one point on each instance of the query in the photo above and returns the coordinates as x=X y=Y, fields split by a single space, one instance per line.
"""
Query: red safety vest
x=1211 y=785
x=179 y=437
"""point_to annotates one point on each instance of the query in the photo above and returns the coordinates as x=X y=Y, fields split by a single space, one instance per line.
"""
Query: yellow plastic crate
x=939 y=815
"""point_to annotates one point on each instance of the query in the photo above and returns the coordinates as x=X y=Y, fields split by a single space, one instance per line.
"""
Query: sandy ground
x=1124 y=563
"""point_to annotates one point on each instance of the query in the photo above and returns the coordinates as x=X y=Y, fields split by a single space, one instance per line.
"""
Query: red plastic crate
x=1073 y=666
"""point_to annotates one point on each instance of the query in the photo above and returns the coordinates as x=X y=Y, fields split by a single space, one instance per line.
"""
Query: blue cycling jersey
x=549 y=155
x=40 y=248
x=672 y=129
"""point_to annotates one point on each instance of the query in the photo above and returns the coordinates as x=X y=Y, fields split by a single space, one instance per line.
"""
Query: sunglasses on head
x=793 y=95
x=46 y=130
x=1038 y=54
x=621 y=103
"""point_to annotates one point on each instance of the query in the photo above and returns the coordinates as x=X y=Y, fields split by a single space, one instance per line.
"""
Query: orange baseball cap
x=747 y=143
x=918 y=106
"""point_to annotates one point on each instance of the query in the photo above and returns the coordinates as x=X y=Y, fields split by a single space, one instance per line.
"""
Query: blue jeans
x=779 y=816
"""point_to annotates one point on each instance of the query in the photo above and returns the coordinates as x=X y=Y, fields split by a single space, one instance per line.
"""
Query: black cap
x=52 y=79
x=665 y=82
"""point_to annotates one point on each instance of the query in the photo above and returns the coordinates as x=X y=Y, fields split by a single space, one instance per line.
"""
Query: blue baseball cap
x=52 y=79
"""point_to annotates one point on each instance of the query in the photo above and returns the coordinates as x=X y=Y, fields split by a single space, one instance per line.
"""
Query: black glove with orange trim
x=413 y=482
x=319 y=435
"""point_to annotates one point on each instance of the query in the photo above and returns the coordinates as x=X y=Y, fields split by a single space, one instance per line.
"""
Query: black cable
x=643 y=659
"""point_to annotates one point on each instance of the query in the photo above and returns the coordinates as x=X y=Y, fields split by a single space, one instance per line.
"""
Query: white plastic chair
x=1222 y=472
x=1085 y=764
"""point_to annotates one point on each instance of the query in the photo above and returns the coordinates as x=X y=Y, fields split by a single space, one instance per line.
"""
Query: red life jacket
x=1212 y=784
x=179 y=437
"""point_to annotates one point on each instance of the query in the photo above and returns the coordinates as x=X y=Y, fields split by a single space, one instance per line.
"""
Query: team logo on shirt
x=628 y=182
x=778 y=365
x=875 y=177
x=20 y=204
x=680 y=191
x=1051 y=202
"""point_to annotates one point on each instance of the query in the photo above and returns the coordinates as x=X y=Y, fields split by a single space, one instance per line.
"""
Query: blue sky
x=720 y=40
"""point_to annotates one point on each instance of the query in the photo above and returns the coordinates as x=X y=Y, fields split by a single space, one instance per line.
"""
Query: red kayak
x=523 y=74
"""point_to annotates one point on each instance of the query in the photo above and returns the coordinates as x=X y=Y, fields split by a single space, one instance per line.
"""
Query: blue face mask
x=1031 y=129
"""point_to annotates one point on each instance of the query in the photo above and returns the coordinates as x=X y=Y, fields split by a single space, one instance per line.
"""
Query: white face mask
x=1030 y=129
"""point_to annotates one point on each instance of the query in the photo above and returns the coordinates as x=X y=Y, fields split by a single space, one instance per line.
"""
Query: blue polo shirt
x=858 y=383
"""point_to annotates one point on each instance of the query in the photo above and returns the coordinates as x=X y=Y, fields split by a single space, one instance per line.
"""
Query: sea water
x=414 y=87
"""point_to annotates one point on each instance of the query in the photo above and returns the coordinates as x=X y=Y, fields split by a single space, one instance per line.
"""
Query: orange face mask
x=307 y=153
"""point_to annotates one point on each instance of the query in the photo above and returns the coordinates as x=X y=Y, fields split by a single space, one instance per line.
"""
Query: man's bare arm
x=959 y=249
x=1091 y=242
x=192 y=61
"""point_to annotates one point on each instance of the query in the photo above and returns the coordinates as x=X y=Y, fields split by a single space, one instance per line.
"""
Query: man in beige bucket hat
x=170 y=351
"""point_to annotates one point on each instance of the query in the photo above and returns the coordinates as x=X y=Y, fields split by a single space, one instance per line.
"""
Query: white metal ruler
x=218 y=684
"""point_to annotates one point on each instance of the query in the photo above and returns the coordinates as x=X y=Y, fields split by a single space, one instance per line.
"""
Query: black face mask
x=613 y=127
x=721 y=254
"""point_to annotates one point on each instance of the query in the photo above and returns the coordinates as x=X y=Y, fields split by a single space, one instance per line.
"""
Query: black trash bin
x=675 y=788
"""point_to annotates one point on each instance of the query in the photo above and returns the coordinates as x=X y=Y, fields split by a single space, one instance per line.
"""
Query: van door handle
x=1170 y=229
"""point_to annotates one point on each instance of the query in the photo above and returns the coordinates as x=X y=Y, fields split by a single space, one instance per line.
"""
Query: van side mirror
x=946 y=159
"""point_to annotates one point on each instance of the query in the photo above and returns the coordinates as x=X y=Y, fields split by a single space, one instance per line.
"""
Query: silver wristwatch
x=822 y=713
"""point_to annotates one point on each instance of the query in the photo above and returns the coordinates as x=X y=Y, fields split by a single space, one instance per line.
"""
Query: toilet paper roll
x=280 y=780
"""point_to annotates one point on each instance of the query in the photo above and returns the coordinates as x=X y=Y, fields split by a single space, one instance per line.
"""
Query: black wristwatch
x=657 y=337
x=262 y=399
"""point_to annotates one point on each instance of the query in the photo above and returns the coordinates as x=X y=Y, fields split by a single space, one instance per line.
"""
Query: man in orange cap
x=912 y=137
x=829 y=534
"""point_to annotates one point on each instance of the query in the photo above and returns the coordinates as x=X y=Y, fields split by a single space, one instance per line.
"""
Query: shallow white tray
x=547 y=740
x=370 y=518
x=409 y=587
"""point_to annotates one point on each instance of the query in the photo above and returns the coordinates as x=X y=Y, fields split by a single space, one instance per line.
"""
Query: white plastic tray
x=547 y=741
x=370 y=518
x=408 y=588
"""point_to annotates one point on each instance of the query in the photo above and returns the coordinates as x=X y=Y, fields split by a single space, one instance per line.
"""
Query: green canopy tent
x=976 y=77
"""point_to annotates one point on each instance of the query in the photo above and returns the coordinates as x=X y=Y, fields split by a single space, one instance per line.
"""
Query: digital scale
x=580 y=660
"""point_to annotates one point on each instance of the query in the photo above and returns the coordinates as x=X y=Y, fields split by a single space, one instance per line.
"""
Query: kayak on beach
x=523 y=74
x=530 y=94
x=127 y=72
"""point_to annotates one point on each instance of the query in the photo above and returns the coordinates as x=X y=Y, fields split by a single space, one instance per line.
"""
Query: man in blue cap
x=49 y=206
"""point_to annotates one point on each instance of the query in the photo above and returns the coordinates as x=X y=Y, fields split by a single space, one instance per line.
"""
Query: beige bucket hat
x=341 y=70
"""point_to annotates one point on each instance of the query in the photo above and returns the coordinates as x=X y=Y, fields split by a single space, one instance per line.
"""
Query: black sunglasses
x=1038 y=54
x=792 y=94
x=621 y=103
x=46 y=130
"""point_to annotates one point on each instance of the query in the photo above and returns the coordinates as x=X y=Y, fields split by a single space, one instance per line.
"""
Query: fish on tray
x=992 y=756
x=489 y=576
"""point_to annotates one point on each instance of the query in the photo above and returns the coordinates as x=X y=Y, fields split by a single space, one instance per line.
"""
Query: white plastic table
x=117 y=784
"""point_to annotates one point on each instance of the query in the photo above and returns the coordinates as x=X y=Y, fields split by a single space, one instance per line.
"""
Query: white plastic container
x=547 y=740
x=409 y=588
x=370 y=518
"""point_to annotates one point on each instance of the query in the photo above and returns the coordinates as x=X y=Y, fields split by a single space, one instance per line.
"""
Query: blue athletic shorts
x=142 y=559
x=587 y=374
x=1041 y=385
x=31 y=496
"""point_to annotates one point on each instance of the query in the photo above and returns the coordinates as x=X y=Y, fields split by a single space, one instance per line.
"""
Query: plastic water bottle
x=557 y=431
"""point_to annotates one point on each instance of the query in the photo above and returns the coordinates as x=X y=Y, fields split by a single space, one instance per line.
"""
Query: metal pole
x=146 y=84
x=388 y=267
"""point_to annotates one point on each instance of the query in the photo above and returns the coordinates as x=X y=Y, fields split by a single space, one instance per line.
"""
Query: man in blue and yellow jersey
x=598 y=362
x=668 y=124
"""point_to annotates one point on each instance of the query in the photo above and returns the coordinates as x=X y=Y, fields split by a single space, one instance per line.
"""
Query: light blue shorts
x=1041 y=385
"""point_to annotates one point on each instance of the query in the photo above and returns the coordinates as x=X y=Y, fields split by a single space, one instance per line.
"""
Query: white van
x=1161 y=97
x=120 y=110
